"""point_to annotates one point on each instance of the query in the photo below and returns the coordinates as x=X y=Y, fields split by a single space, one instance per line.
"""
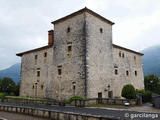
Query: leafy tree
x=16 y=90
x=7 y=85
x=152 y=83
x=128 y=92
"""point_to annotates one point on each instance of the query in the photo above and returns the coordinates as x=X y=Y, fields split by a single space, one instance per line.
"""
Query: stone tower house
x=80 y=59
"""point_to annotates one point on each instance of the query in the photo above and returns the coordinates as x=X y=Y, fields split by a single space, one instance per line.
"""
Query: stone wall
x=30 y=66
x=131 y=62
x=99 y=56
x=53 y=114
x=73 y=65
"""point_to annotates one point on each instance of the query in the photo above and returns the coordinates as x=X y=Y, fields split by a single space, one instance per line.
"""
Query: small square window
x=45 y=54
x=68 y=29
x=38 y=73
x=116 y=71
x=69 y=48
x=101 y=30
x=123 y=55
x=59 y=70
x=135 y=73
x=127 y=73
x=120 y=54
x=36 y=56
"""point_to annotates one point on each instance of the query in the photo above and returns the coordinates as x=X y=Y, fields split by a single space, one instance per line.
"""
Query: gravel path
x=95 y=111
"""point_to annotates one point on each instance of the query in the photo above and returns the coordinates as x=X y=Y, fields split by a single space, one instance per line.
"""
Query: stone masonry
x=80 y=60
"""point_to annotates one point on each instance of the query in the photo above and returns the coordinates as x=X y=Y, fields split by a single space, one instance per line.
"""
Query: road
x=95 y=111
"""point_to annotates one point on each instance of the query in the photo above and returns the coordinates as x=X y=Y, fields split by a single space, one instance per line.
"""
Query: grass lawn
x=26 y=98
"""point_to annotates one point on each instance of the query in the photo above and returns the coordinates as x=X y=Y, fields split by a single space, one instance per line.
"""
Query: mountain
x=12 y=72
x=151 y=60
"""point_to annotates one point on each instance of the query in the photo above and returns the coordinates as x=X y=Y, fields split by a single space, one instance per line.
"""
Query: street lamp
x=74 y=87
x=36 y=89
x=107 y=89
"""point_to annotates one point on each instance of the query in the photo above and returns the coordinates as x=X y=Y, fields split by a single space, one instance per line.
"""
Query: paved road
x=95 y=111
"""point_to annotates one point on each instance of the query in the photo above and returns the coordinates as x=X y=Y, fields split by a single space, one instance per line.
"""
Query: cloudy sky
x=24 y=23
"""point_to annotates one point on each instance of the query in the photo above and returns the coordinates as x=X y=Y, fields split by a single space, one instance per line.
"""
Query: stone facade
x=31 y=84
x=129 y=67
x=81 y=61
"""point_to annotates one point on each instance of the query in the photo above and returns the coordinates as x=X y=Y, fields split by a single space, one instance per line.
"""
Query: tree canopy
x=128 y=91
x=152 y=83
x=7 y=85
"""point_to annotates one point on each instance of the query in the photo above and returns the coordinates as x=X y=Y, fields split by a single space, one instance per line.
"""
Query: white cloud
x=24 y=24
x=129 y=31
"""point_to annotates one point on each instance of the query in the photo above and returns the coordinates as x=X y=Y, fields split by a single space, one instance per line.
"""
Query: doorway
x=99 y=97
x=110 y=94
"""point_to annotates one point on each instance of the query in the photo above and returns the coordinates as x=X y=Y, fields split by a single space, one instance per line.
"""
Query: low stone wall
x=55 y=115
x=156 y=101
x=74 y=103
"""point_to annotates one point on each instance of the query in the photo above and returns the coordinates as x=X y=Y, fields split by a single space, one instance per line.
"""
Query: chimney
x=50 y=37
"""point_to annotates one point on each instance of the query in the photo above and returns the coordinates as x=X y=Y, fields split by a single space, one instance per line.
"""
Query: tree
x=16 y=91
x=7 y=85
x=152 y=83
x=128 y=92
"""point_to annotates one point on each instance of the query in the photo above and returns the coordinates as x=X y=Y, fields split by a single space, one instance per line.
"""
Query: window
x=135 y=73
x=68 y=29
x=59 y=70
x=45 y=54
x=42 y=87
x=120 y=54
x=101 y=30
x=69 y=50
x=123 y=55
x=127 y=73
x=100 y=95
x=45 y=57
x=116 y=72
x=36 y=57
x=115 y=66
x=38 y=73
x=134 y=57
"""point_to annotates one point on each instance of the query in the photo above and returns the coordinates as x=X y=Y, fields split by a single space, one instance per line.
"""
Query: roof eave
x=33 y=50
x=117 y=46
x=81 y=11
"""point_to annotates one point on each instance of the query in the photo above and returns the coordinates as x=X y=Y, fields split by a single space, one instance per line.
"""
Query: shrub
x=75 y=98
x=2 y=95
x=140 y=91
x=128 y=92
x=146 y=95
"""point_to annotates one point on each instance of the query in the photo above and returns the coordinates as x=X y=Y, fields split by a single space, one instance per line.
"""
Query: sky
x=24 y=24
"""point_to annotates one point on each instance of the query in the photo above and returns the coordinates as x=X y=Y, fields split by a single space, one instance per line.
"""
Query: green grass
x=2 y=95
x=27 y=98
